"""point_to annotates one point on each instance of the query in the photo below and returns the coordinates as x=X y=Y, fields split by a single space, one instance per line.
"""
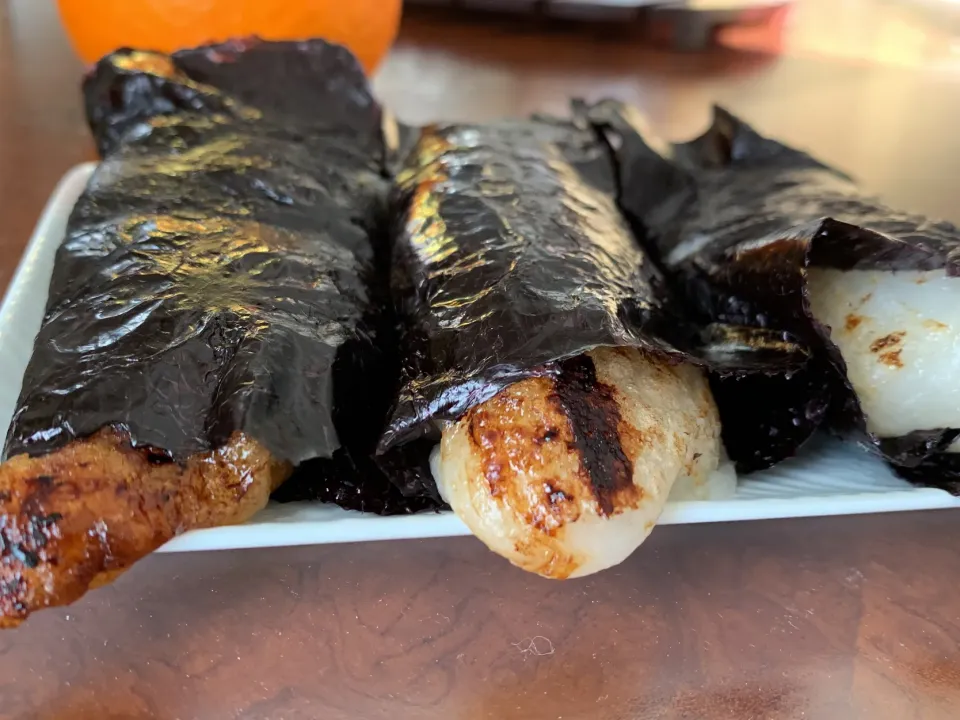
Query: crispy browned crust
x=75 y=519
x=520 y=433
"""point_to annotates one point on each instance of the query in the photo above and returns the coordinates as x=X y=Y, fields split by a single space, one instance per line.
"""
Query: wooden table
x=834 y=618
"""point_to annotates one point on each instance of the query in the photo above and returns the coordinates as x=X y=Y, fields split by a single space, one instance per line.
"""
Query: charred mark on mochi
x=852 y=322
x=887 y=342
x=155 y=456
x=487 y=441
x=892 y=359
x=554 y=495
x=690 y=468
x=520 y=436
x=549 y=435
x=40 y=488
x=25 y=541
x=493 y=472
x=595 y=421
x=886 y=348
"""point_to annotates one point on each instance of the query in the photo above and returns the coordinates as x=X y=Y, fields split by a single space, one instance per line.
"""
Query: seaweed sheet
x=736 y=218
x=511 y=255
x=225 y=269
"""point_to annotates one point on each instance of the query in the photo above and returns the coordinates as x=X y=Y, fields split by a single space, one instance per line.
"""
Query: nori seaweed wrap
x=509 y=255
x=214 y=315
x=220 y=260
x=757 y=233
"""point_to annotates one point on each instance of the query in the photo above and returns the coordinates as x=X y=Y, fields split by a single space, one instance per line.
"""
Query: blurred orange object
x=756 y=30
x=97 y=27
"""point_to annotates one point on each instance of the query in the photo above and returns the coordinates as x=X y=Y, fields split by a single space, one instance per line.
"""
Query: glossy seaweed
x=225 y=269
x=736 y=219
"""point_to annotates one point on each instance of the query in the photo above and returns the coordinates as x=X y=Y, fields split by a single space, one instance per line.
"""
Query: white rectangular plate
x=831 y=478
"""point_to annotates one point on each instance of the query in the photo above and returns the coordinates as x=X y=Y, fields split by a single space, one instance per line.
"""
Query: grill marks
x=565 y=429
x=75 y=518
x=564 y=474
x=888 y=349
x=519 y=435
x=887 y=342
x=595 y=420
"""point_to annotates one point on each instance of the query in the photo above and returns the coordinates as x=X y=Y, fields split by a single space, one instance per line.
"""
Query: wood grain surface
x=855 y=617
